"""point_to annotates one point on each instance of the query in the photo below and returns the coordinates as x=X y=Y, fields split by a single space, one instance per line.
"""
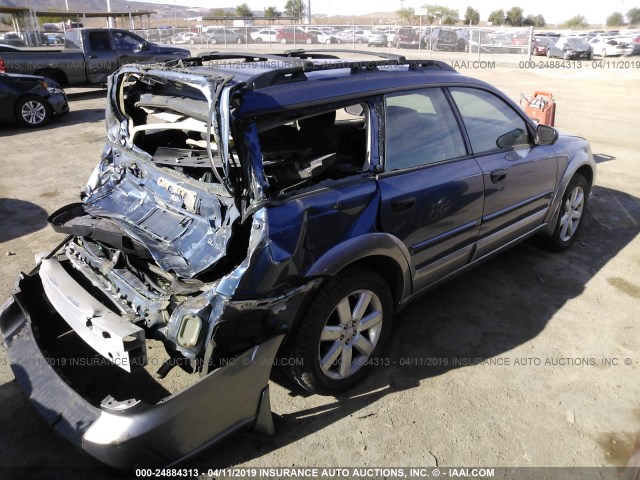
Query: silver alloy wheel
x=350 y=334
x=571 y=214
x=33 y=112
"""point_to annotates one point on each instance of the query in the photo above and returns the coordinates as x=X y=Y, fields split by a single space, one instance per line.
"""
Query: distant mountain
x=168 y=10
x=100 y=6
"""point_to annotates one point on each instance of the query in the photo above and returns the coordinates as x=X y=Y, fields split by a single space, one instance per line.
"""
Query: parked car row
x=615 y=45
x=460 y=40
x=215 y=37
x=585 y=46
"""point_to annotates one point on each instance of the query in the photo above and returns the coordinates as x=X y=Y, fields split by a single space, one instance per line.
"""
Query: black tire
x=213 y=41
x=240 y=40
x=322 y=317
x=567 y=228
x=308 y=41
x=259 y=40
x=32 y=111
x=566 y=55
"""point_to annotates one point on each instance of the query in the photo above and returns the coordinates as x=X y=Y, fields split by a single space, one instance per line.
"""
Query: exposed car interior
x=307 y=148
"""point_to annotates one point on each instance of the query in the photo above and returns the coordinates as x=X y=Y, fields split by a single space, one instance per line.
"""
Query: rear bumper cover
x=132 y=433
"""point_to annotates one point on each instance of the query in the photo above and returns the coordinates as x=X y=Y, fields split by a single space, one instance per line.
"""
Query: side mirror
x=546 y=135
x=144 y=46
x=517 y=136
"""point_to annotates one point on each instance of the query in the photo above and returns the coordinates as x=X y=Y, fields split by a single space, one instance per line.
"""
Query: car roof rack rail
x=296 y=63
x=318 y=53
x=251 y=57
x=430 y=65
x=247 y=57
x=391 y=58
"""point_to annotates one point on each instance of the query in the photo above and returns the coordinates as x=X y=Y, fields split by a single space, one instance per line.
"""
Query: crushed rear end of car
x=130 y=338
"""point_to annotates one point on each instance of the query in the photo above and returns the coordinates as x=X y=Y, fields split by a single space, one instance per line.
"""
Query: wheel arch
x=582 y=164
x=54 y=73
x=381 y=252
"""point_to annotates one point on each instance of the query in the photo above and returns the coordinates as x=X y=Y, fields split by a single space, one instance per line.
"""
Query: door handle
x=498 y=175
x=93 y=57
x=403 y=205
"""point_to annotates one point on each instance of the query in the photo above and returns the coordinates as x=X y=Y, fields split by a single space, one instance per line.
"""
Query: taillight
x=3 y=66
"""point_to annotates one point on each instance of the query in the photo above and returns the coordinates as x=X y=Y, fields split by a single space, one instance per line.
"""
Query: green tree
x=496 y=17
x=406 y=14
x=633 y=16
x=446 y=15
x=271 y=12
x=538 y=21
x=616 y=19
x=515 y=17
x=243 y=10
x=576 y=22
x=295 y=8
x=471 y=16
x=451 y=19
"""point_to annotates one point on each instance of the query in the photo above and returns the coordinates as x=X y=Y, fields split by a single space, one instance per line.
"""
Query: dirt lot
x=555 y=329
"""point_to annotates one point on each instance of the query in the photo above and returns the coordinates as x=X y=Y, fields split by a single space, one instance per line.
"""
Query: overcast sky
x=554 y=11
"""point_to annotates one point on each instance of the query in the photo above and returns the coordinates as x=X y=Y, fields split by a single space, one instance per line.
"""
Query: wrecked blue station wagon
x=249 y=207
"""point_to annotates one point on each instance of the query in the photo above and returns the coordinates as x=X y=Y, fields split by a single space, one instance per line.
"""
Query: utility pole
x=308 y=12
x=110 y=19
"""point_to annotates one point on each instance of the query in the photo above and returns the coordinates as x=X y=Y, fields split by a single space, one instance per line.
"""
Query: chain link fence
x=504 y=45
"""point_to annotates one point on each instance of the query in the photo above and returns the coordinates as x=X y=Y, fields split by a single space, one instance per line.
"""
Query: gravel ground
x=553 y=331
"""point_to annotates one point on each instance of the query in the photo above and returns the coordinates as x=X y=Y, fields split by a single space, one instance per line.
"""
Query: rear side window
x=125 y=41
x=420 y=129
x=99 y=42
x=490 y=122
